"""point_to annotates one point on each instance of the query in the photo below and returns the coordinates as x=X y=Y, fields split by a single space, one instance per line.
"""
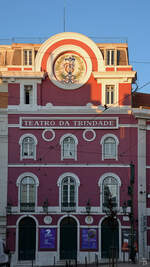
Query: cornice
x=21 y=75
x=88 y=109
x=114 y=74
x=141 y=113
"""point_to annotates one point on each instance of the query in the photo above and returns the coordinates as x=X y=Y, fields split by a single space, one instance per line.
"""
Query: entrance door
x=68 y=238
x=27 y=239
x=109 y=238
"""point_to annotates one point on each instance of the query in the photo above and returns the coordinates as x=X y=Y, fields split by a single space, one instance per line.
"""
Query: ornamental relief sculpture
x=69 y=68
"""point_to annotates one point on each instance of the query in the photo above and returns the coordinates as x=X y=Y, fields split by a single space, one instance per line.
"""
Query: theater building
x=72 y=136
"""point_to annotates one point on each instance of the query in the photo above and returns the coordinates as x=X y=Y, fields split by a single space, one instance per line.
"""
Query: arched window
x=68 y=191
x=109 y=147
x=28 y=144
x=109 y=189
x=68 y=147
x=27 y=192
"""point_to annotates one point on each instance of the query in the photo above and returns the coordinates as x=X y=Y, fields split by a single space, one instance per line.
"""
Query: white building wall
x=142 y=214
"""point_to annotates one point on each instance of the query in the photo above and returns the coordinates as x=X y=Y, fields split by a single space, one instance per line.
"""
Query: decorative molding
x=53 y=63
x=89 y=139
x=52 y=133
x=69 y=165
x=69 y=36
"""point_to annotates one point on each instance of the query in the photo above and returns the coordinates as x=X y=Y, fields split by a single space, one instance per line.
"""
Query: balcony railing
x=40 y=40
x=25 y=207
x=68 y=206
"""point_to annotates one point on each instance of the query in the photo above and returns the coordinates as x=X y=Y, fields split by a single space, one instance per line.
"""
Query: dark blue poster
x=47 y=238
x=89 y=238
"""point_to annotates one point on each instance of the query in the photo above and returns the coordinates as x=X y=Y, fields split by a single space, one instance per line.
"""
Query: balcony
x=68 y=207
x=27 y=207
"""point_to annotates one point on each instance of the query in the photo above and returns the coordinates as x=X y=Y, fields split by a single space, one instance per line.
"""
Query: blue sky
x=98 y=19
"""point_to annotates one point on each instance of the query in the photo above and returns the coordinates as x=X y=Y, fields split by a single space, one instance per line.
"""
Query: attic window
x=27 y=57
x=110 y=57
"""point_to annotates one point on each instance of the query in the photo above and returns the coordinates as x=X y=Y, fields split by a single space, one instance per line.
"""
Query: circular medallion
x=89 y=219
x=69 y=69
x=89 y=135
x=47 y=219
x=48 y=135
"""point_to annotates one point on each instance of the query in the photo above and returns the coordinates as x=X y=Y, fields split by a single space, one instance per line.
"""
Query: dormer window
x=110 y=57
x=27 y=57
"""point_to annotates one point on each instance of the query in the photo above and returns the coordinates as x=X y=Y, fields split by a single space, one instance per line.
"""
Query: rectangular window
x=109 y=95
x=27 y=57
x=110 y=57
x=28 y=94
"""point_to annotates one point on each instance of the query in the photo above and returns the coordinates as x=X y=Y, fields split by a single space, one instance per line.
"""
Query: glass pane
x=31 y=193
x=112 y=57
x=25 y=57
x=108 y=57
x=65 y=193
x=69 y=147
x=28 y=147
x=110 y=189
x=28 y=94
x=112 y=97
x=23 y=197
x=110 y=148
x=30 y=57
x=72 y=193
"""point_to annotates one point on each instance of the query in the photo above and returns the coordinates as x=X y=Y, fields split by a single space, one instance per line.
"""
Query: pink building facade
x=72 y=136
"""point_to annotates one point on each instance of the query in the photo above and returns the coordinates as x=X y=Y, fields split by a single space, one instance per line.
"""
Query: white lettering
x=69 y=123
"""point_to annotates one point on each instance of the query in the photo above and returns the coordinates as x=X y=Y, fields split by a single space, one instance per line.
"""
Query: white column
x=3 y=172
x=142 y=188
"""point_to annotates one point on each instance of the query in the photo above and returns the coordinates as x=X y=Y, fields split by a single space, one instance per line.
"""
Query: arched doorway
x=27 y=239
x=68 y=238
x=109 y=238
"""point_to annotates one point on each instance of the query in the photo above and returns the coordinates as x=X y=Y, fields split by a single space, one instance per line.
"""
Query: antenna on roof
x=64 y=15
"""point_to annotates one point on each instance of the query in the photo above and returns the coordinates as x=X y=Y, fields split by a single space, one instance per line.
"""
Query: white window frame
x=77 y=184
x=21 y=146
x=110 y=57
x=100 y=184
x=22 y=94
x=110 y=89
x=102 y=142
x=116 y=92
x=18 y=183
x=28 y=57
x=28 y=90
x=62 y=147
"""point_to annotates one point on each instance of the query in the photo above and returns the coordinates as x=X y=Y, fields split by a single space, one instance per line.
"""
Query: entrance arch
x=27 y=239
x=68 y=238
x=109 y=238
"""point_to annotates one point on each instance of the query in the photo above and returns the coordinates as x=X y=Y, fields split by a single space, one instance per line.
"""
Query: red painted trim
x=14 y=69
x=124 y=69
x=110 y=69
x=27 y=68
